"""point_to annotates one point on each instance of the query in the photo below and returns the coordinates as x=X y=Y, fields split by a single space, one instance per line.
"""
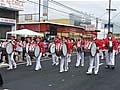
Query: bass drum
x=9 y=48
x=58 y=49
x=93 y=49
x=36 y=51
x=52 y=48
x=64 y=49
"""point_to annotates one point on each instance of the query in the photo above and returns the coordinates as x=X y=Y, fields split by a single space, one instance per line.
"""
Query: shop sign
x=11 y=4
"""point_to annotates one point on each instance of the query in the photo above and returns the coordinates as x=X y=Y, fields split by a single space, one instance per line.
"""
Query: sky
x=96 y=8
x=92 y=7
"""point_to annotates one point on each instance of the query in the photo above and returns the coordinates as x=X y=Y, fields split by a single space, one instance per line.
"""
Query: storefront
x=9 y=10
x=53 y=29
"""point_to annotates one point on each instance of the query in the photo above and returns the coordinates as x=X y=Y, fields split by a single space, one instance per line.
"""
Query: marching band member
x=11 y=61
x=94 y=60
x=63 y=62
x=101 y=50
x=69 y=47
x=28 y=44
x=42 y=51
x=19 y=49
x=80 y=52
x=55 y=59
x=24 y=47
x=110 y=44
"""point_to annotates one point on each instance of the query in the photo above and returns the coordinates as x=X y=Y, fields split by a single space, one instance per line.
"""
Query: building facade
x=9 y=10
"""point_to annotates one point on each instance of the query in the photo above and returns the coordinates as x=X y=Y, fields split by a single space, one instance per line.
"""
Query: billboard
x=78 y=20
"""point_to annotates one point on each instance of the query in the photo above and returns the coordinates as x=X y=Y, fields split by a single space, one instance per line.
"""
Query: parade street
x=49 y=78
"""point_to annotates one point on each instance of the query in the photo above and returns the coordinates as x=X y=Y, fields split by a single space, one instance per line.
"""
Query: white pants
x=110 y=57
x=63 y=64
x=38 y=64
x=80 y=58
x=0 y=55
x=55 y=59
x=11 y=61
x=29 y=62
x=101 y=54
x=94 y=63
x=69 y=57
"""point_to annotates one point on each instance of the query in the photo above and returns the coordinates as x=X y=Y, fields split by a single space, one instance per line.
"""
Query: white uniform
x=38 y=64
x=94 y=60
x=55 y=59
x=110 y=46
x=11 y=61
x=80 y=54
x=28 y=58
x=63 y=64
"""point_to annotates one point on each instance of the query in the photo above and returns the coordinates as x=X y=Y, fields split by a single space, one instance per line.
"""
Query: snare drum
x=93 y=49
x=36 y=51
x=58 y=49
x=9 y=48
x=52 y=48
x=64 y=49
x=61 y=50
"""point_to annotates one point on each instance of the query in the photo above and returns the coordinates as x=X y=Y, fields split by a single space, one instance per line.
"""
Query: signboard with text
x=6 y=20
x=11 y=4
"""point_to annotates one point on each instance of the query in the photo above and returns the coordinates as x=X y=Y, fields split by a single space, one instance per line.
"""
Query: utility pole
x=109 y=15
x=39 y=9
x=96 y=23
x=109 y=12
x=39 y=13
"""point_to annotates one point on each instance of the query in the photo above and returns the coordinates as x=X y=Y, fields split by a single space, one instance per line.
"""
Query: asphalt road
x=49 y=78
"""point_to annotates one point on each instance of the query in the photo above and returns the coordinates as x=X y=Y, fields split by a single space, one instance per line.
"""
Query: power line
x=115 y=16
x=48 y=7
x=53 y=8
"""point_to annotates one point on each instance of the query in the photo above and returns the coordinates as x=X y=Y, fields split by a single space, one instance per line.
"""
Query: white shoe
x=15 y=67
x=76 y=65
x=89 y=73
x=53 y=64
x=96 y=73
x=37 y=69
x=82 y=65
x=57 y=64
x=9 y=68
x=61 y=71
x=66 y=70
